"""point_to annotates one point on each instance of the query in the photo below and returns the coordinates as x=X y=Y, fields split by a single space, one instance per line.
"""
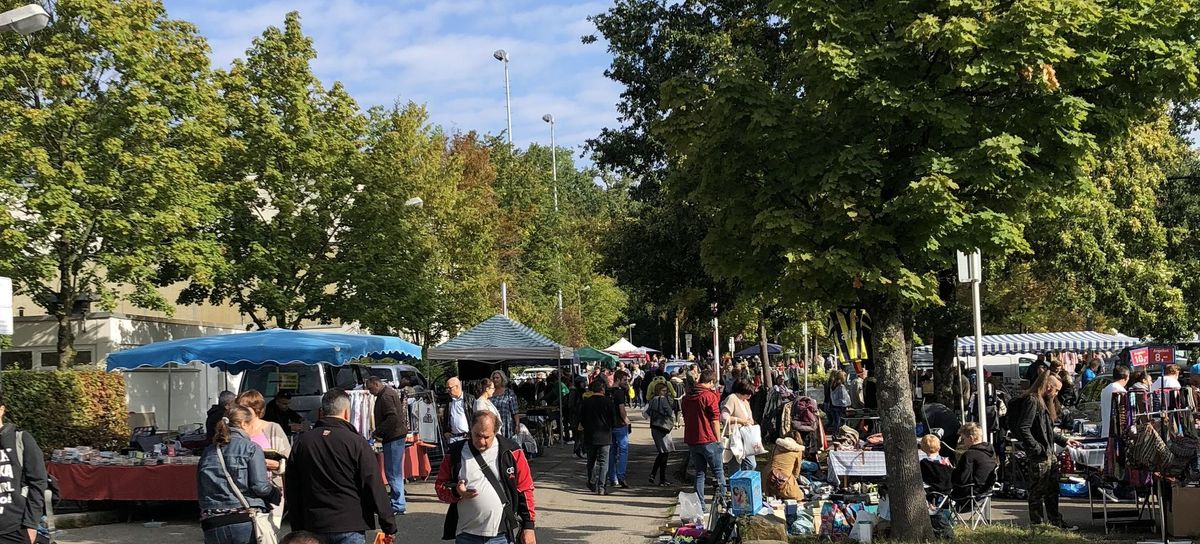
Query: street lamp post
x=24 y=20
x=631 y=326
x=549 y=118
x=502 y=56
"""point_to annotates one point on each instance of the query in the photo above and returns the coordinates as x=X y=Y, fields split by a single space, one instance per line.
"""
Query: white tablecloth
x=855 y=463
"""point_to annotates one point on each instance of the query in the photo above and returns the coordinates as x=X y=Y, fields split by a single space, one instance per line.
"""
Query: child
x=931 y=448
x=839 y=398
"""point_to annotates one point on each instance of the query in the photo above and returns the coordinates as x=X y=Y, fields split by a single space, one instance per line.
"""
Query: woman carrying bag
x=735 y=413
x=662 y=420
x=274 y=442
x=234 y=487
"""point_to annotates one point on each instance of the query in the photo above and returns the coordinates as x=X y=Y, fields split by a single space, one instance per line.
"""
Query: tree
x=291 y=176
x=898 y=132
x=109 y=131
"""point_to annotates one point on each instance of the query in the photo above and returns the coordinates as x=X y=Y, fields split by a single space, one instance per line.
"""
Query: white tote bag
x=751 y=440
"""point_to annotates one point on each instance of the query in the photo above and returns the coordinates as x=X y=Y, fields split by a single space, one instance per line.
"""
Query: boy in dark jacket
x=597 y=416
x=23 y=482
x=976 y=469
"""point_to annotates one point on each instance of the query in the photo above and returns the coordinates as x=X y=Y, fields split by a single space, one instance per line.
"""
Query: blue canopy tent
x=237 y=352
x=772 y=349
x=1039 y=342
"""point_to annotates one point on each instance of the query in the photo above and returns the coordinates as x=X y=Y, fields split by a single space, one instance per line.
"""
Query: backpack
x=804 y=414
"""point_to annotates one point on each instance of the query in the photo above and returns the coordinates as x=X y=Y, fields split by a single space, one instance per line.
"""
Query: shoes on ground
x=624 y=485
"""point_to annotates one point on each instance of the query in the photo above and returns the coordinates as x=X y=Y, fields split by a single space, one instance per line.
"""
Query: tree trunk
x=765 y=366
x=66 y=340
x=945 y=341
x=892 y=333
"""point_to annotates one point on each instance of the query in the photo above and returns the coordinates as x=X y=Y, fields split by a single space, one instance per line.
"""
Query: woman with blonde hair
x=232 y=458
x=273 y=440
x=505 y=402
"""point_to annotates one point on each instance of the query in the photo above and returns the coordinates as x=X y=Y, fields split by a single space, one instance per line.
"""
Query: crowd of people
x=326 y=479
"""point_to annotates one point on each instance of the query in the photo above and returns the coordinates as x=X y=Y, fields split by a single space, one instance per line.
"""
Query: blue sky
x=439 y=53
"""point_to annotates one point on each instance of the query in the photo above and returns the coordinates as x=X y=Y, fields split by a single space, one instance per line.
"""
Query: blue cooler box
x=746 y=486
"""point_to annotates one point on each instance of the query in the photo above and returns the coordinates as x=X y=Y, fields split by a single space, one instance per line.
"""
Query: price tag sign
x=289 y=381
x=1162 y=355
x=1139 y=356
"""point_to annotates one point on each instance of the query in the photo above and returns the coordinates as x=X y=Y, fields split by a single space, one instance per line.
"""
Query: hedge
x=68 y=407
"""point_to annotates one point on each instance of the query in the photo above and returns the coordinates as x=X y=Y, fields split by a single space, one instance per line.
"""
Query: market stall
x=502 y=342
x=168 y=470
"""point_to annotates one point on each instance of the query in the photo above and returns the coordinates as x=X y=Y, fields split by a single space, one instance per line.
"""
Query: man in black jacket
x=332 y=482
x=597 y=415
x=216 y=412
x=391 y=428
x=1034 y=414
x=23 y=484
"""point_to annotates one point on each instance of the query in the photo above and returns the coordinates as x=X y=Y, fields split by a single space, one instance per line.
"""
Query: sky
x=439 y=53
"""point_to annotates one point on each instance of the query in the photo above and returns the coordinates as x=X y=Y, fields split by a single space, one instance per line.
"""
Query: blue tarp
x=772 y=349
x=238 y=352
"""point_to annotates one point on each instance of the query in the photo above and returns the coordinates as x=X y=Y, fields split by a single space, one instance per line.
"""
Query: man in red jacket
x=488 y=484
x=702 y=430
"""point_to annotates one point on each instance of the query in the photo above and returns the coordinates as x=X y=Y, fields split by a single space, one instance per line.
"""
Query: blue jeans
x=748 y=463
x=393 y=468
x=344 y=538
x=238 y=533
x=468 y=538
x=708 y=455
x=618 y=456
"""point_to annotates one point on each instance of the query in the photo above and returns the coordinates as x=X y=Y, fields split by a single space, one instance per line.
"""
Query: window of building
x=22 y=360
x=50 y=359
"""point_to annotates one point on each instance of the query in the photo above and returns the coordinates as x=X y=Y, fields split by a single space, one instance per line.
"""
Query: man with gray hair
x=216 y=412
x=332 y=482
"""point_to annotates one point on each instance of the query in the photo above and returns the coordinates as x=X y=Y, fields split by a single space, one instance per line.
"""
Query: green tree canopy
x=108 y=137
x=896 y=133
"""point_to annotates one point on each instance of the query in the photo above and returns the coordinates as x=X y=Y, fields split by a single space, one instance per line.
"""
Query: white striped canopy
x=1040 y=342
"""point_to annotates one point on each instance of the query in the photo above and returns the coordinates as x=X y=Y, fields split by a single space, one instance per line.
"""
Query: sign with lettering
x=1139 y=356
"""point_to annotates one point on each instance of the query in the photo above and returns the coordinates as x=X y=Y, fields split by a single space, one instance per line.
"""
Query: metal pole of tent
x=170 y=391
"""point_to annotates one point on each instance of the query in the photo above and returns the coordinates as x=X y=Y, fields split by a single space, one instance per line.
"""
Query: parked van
x=1009 y=367
x=309 y=382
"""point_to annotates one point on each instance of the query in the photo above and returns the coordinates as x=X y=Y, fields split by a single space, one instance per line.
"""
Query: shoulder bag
x=511 y=524
x=264 y=533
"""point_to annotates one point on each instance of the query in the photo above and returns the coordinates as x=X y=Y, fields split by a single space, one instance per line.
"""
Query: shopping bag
x=380 y=538
x=752 y=443
x=734 y=450
x=690 y=507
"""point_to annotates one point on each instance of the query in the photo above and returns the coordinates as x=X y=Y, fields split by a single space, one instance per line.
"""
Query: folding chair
x=975 y=501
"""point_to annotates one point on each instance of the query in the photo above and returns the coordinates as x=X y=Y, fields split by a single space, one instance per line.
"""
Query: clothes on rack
x=362 y=412
x=423 y=411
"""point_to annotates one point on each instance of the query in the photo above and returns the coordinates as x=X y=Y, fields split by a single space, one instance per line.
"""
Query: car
x=392 y=374
x=308 y=382
x=530 y=373
x=671 y=367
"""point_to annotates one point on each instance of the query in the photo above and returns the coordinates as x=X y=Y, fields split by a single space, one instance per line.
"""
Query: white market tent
x=1039 y=342
x=622 y=346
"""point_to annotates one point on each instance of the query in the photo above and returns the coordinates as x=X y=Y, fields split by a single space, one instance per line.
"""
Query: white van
x=1009 y=367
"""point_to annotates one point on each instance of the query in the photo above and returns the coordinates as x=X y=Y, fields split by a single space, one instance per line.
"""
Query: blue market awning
x=238 y=352
x=1040 y=342
x=772 y=349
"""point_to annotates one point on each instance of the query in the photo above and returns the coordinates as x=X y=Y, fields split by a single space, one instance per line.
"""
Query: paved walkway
x=567 y=512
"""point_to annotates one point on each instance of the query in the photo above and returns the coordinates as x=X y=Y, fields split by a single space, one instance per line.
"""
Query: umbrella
x=772 y=349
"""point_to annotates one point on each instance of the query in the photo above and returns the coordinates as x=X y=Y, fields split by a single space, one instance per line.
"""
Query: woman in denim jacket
x=222 y=516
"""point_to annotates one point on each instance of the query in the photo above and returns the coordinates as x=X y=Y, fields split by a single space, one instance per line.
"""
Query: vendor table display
x=856 y=464
x=167 y=482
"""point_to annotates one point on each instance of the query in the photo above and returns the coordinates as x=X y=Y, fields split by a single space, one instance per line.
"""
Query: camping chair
x=936 y=478
x=975 y=501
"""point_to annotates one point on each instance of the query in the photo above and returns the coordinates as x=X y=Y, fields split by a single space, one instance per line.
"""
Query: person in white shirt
x=1120 y=378
x=1169 y=379
x=458 y=413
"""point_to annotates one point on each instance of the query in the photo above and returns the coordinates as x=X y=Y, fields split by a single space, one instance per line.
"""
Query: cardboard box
x=1182 y=520
x=746 y=486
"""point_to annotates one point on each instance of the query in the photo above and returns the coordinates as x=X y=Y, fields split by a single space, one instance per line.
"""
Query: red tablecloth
x=138 y=483
x=416 y=462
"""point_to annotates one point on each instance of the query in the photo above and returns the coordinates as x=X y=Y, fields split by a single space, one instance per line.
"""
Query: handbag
x=264 y=533
x=1146 y=448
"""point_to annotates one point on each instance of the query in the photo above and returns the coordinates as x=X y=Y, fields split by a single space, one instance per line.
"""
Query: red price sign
x=1139 y=356
x=1162 y=355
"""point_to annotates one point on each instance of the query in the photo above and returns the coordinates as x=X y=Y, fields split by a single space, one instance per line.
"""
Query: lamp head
x=548 y=118
x=414 y=201
x=24 y=20
x=501 y=55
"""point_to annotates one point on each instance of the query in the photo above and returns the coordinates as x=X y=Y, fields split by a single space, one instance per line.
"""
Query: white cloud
x=440 y=53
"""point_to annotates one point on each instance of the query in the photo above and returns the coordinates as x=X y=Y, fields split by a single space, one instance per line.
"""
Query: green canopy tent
x=592 y=355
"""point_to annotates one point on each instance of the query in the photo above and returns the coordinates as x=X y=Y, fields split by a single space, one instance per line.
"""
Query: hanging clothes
x=424 y=412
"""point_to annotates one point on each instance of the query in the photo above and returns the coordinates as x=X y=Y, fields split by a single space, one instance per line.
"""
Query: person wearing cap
x=280 y=411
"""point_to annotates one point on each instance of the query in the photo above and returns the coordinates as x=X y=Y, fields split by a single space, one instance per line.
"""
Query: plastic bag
x=733 y=448
x=752 y=443
x=691 y=509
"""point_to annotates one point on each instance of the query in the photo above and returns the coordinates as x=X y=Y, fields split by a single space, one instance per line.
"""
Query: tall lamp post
x=502 y=56
x=631 y=326
x=549 y=118
x=24 y=20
